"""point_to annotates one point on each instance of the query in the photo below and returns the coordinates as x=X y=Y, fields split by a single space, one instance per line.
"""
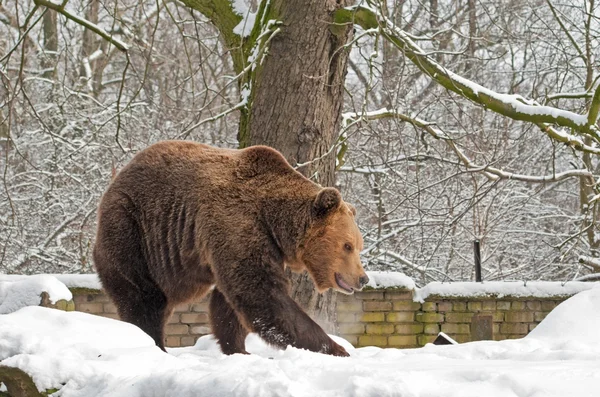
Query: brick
x=380 y=329
x=430 y=317
x=184 y=307
x=410 y=329
x=445 y=306
x=353 y=339
x=405 y=306
x=201 y=307
x=372 y=340
x=399 y=295
x=431 y=329
x=462 y=338
x=94 y=308
x=534 y=305
x=83 y=298
x=188 y=341
x=429 y=307
x=70 y=306
x=498 y=317
x=200 y=330
x=176 y=329
x=377 y=306
x=496 y=330
x=194 y=318
x=99 y=298
x=400 y=317
x=451 y=328
x=548 y=306
x=173 y=341
x=402 y=341
x=532 y=327
x=174 y=319
x=539 y=316
x=518 y=317
x=372 y=317
x=516 y=336
x=474 y=306
x=459 y=306
x=458 y=317
x=346 y=317
x=114 y=316
x=513 y=328
x=350 y=306
x=369 y=295
x=488 y=306
x=502 y=305
x=425 y=339
x=517 y=305
x=356 y=328
x=110 y=308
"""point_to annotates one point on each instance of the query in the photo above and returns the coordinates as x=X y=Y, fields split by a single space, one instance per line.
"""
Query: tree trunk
x=296 y=108
x=50 y=44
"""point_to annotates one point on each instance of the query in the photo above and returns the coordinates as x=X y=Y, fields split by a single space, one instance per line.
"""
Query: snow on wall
x=500 y=289
x=18 y=292
x=379 y=280
x=90 y=281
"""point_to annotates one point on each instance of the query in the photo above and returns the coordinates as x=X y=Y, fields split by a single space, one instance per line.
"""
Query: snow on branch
x=513 y=106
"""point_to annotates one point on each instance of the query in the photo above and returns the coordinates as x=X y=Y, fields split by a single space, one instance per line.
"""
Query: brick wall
x=186 y=325
x=390 y=318
x=385 y=318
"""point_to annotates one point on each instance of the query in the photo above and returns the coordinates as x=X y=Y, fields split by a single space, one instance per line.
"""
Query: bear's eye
x=348 y=247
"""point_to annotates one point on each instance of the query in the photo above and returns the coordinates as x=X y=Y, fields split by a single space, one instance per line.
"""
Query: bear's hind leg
x=226 y=326
x=143 y=305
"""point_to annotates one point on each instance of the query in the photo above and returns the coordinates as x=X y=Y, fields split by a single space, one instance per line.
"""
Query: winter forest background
x=430 y=163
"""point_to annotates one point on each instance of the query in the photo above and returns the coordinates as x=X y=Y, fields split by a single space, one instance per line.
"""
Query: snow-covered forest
x=462 y=120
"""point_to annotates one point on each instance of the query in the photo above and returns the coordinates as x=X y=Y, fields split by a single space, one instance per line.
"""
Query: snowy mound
x=84 y=356
x=576 y=321
x=16 y=293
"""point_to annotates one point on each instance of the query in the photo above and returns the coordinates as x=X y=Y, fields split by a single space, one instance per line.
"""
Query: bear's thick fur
x=183 y=217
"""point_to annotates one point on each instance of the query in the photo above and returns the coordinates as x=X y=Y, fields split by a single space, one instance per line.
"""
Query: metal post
x=477 y=252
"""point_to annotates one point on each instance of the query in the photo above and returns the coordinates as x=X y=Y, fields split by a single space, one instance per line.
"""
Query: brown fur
x=183 y=217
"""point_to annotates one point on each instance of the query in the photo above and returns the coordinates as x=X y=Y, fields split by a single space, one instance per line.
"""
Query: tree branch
x=83 y=22
x=492 y=173
x=513 y=106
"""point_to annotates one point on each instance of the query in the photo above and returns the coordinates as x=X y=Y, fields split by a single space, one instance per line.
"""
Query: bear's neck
x=288 y=220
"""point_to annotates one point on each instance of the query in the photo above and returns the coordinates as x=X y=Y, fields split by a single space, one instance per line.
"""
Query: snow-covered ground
x=86 y=355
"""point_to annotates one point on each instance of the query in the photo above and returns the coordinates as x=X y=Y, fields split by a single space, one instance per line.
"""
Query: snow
x=86 y=355
x=18 y=293
x=90 y=281
x=389 y=280
x=244 y=28
x=500 y=289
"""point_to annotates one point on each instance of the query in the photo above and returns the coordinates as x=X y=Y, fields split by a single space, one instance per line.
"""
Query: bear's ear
x=327 y=200
x=352 y=209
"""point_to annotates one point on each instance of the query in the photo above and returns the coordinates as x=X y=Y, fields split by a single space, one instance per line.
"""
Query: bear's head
x=331 y=247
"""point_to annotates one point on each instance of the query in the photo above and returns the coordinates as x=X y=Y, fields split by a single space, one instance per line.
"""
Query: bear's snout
x=363 y=280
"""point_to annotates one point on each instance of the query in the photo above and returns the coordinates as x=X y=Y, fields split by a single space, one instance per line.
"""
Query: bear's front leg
x=280 y=322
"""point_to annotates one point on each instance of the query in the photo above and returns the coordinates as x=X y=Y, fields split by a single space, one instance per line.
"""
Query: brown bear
x=182 y=218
